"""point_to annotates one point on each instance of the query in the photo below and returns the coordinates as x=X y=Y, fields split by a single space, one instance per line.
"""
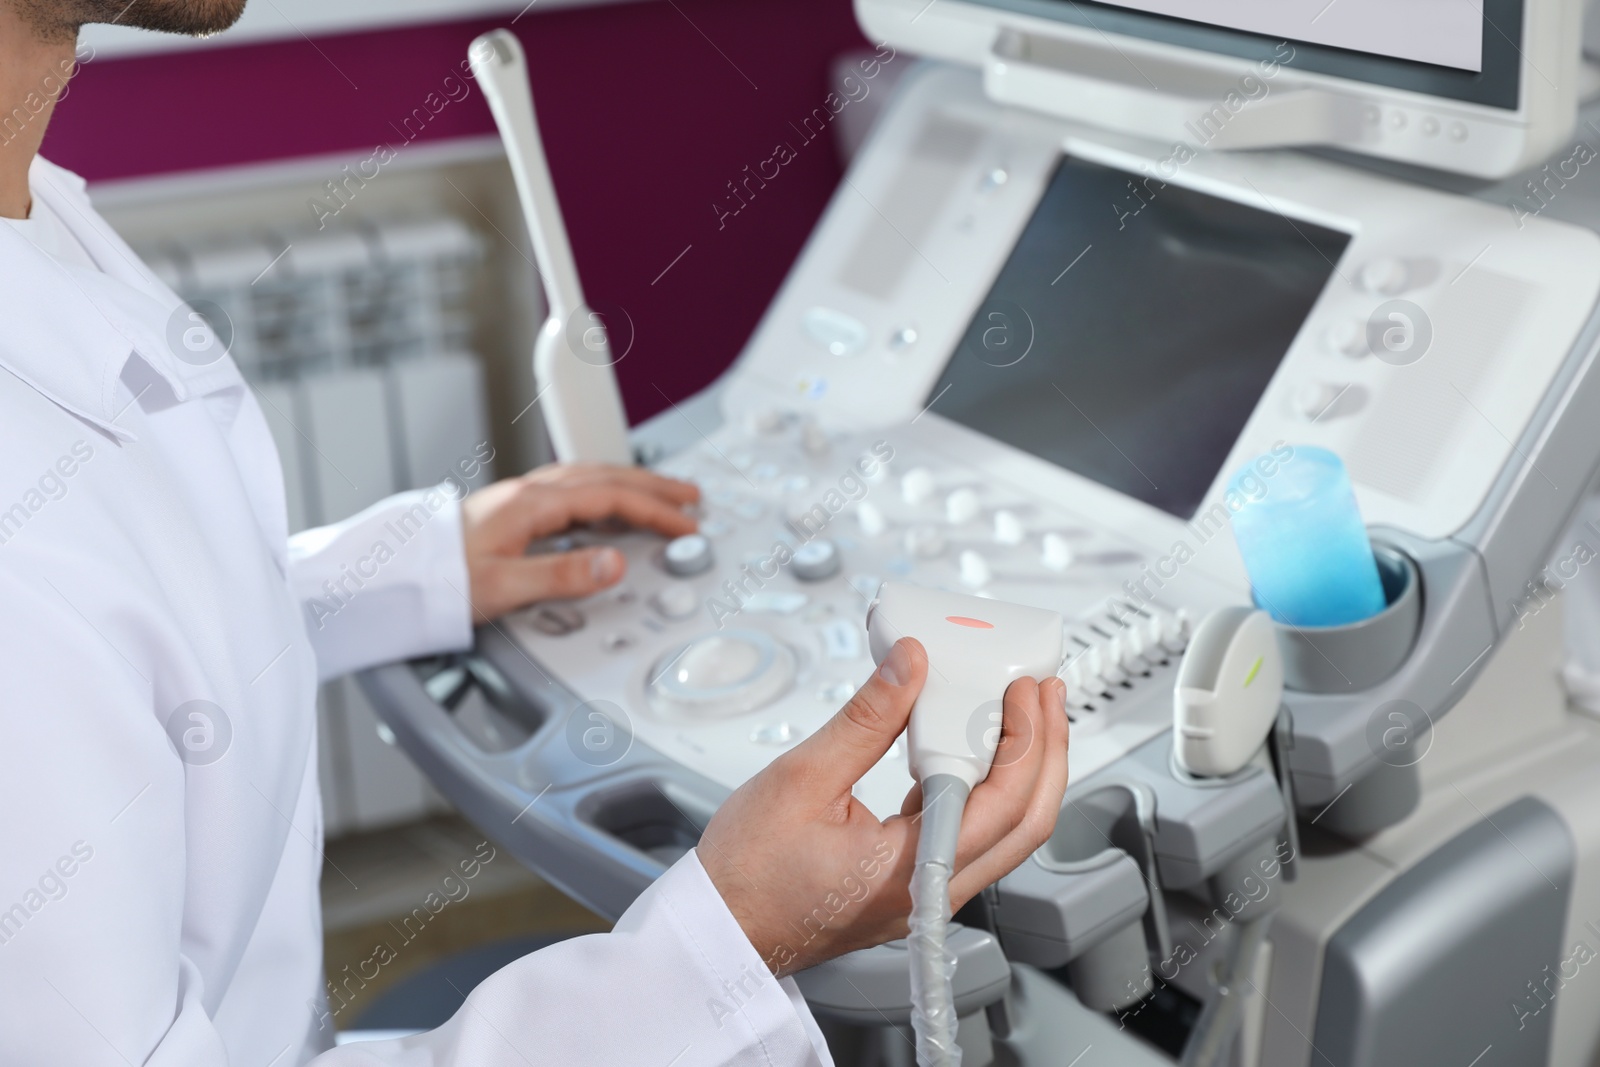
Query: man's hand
x=500 y=520
x=807 y=870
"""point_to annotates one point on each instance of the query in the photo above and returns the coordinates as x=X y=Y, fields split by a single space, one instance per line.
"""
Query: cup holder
x=480 y=701
x=1358 y=655
x=643 y=816
x=1092 y=830
x=1107 y=904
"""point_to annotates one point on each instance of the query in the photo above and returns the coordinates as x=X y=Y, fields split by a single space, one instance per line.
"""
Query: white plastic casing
x=1162 y=91
x=976 y=648
x=1228 y=692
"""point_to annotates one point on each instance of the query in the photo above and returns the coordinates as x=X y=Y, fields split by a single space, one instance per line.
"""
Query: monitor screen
x=1448 y=33
x=1130 y=334
x=1467 y=51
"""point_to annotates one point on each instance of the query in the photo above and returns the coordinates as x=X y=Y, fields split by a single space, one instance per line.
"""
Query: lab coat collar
x=69 y=331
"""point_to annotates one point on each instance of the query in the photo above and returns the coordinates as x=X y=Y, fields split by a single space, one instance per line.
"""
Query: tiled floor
x=395 y=901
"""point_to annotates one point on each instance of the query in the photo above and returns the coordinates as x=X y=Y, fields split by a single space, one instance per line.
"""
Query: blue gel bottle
x=1303 y=541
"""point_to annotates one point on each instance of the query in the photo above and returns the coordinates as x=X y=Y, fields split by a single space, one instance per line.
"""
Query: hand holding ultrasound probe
x=978 y=646
x=794 y=835
x=965 y=823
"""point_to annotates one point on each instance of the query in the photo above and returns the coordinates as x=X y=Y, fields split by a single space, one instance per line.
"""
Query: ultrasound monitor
x=1443 y=33
x=1476 y=88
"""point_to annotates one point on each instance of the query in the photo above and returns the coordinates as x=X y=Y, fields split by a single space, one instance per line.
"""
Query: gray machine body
x=1444 y=962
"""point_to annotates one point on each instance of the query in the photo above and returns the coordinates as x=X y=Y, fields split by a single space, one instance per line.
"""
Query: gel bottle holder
x=1358 y=655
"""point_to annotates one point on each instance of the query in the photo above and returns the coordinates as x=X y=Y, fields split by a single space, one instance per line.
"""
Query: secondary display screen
x=1133 y=330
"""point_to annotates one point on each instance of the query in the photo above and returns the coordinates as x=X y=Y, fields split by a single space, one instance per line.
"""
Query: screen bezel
x=1498 y=85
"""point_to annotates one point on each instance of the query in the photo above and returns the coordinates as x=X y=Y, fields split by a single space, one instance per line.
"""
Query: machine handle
x=541 y=824
x=1167 y=99
x=579 y=398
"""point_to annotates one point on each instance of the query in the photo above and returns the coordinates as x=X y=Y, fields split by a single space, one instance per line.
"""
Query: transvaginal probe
x=572 y=360
x=976 y=648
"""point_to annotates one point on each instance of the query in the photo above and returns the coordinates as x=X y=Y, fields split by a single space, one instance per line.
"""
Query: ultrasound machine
x=1094 y=260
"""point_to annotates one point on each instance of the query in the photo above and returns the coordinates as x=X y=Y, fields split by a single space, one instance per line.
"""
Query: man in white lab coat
x=158 y=889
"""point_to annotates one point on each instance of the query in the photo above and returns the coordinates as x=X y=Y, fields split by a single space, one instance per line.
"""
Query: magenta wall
x=648 y=111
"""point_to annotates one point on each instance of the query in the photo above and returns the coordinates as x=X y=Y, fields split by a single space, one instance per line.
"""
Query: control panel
x=724 y=647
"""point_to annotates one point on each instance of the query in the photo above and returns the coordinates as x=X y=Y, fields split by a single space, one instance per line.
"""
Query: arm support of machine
x=599 y=830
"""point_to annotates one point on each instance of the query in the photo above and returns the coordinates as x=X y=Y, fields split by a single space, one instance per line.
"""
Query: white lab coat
x=163 y=909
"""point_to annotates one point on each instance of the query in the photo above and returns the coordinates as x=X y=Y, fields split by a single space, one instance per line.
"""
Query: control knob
x=687 y=555
x=1315 y=399
x=871 y=518
x=975 y=571
x=1055 y=553
x=961 y=506
x=1008 y=528
x=1387 y=276
x=677 y=600
x=916 y=485
x=1347 y=337
x=815 y=561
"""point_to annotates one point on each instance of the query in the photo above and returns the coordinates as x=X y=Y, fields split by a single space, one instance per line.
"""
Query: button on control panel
x=556 y=619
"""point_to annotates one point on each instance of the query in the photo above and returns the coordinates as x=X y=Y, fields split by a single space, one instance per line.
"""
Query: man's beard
x=58 y=20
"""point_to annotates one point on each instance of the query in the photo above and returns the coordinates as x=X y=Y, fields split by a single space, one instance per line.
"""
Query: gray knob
x=815 y=560
x=686 y=555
